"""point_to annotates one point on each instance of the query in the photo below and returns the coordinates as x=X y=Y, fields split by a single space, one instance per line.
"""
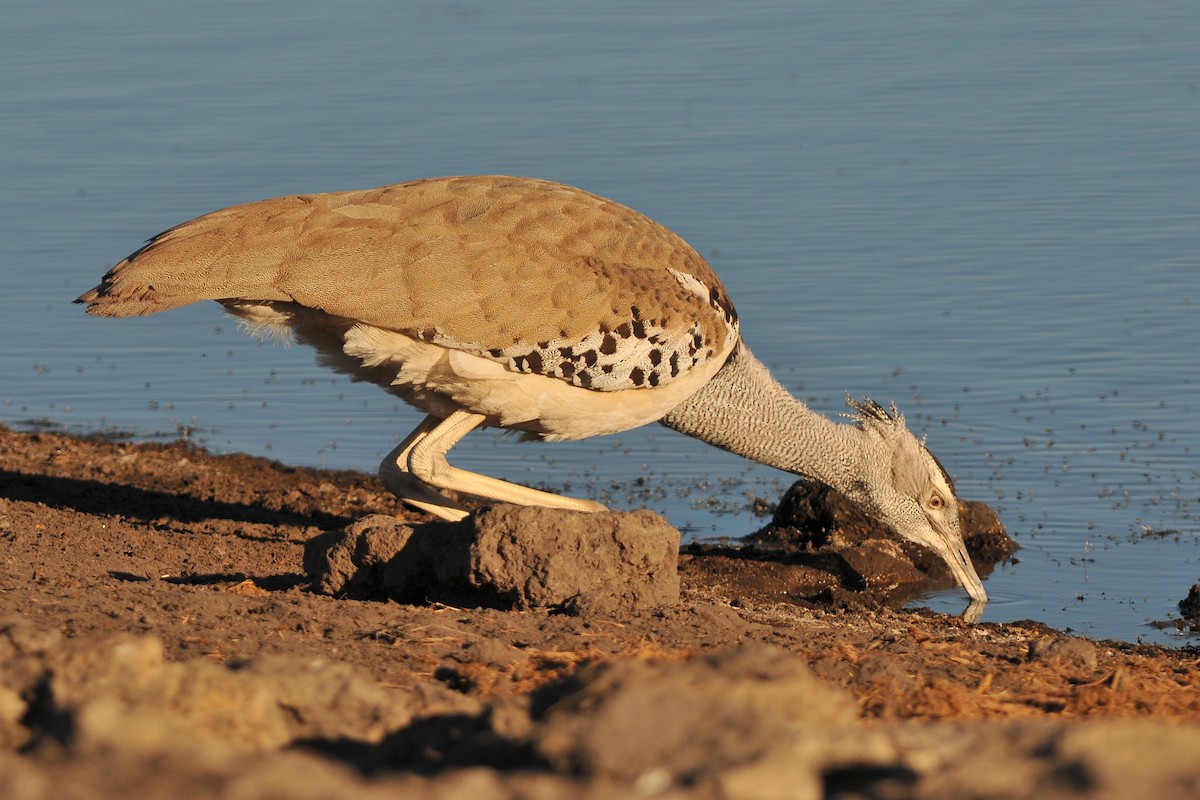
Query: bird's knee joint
x=427 y=467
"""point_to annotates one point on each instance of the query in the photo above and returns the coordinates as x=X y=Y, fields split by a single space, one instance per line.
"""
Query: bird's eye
x=936 y=502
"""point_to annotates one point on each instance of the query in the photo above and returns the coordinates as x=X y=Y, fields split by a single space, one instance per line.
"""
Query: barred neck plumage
x=744 y=410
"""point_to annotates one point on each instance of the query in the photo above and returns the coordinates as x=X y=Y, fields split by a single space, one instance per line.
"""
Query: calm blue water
x=988 y=212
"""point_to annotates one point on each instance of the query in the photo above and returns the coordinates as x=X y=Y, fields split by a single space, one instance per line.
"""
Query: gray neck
x=744 y=410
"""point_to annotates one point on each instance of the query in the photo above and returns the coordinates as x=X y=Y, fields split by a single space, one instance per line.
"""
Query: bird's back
x=541 y=277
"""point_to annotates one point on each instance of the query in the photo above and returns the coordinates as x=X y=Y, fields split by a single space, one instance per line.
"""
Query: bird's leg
x=394 y=475
x=427 y=463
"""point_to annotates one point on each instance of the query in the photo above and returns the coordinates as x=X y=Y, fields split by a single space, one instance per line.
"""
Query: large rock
x=507 y=556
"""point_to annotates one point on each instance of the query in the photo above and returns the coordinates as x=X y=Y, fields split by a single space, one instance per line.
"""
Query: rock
x=1051 y=758
x=351 y=561
x=12 y=710
x=121 y=694
x=330 y=700
x=507 y=556
x=595 y=563
x=1073 y=656
x=652 y=726
x=1120 y=758
x=1190 y=605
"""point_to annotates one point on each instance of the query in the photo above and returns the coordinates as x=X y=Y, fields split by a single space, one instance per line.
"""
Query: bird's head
x=906 y=487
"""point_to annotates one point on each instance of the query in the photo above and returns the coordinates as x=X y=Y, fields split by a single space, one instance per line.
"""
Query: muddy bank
x=158 y=637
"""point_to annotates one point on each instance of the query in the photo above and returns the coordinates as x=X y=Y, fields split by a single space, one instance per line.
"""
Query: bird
x=532 y=306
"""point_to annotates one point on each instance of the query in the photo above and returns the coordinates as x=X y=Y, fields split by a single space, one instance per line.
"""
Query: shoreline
x=154 y=605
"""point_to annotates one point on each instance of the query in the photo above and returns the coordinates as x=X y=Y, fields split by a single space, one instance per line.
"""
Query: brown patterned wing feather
x=540 y=276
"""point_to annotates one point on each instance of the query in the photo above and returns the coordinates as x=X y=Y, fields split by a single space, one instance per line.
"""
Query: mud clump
x=814 y=517
x=1190 y=607
x=505 y=556
x=823 y=548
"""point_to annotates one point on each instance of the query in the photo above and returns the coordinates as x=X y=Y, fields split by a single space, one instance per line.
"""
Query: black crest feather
x=867 y=410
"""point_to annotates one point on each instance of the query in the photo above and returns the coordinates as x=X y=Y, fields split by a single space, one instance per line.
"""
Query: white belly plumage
x=440 y=380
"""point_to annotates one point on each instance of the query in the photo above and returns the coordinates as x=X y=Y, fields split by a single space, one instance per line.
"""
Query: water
x=987 y=212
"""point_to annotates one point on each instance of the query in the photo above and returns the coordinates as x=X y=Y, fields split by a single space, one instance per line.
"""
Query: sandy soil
x=160 y=636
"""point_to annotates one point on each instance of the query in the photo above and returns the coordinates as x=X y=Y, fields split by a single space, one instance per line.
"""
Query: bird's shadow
x=94 y=497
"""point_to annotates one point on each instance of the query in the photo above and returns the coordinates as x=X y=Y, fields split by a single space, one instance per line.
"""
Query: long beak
x=964 y=572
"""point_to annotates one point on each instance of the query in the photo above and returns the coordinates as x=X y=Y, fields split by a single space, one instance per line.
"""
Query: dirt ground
x=160 y=636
